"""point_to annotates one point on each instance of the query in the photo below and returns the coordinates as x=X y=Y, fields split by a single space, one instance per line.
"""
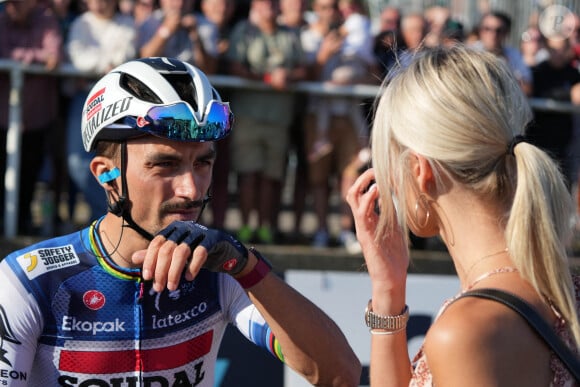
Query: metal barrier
x=17 y=72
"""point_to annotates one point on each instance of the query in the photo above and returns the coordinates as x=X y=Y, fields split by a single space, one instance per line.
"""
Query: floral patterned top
x=561 y=377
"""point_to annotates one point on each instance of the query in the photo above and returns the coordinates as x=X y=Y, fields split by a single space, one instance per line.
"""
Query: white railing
x=17 y=72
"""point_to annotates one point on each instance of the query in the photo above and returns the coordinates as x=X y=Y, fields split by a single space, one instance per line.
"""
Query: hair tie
x=515 y=141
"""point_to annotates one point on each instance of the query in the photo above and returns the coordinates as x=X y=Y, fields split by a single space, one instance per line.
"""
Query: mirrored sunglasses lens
x=219 y=120
x=173 y=122
x=177 y=122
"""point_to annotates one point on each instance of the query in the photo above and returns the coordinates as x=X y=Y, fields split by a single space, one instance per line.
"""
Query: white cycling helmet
x=164 y=97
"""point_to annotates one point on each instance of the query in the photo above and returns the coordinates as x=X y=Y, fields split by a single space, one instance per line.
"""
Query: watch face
x=367 y=314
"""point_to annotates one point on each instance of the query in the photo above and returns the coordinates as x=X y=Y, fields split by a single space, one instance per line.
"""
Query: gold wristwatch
x=388 y=323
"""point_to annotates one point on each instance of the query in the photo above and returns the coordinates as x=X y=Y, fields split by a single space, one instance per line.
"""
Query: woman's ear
x=422 y=173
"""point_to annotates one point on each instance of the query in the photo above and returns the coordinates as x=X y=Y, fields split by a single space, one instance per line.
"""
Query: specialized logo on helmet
x=100 y=115
x=94 y=299
x=230 y=264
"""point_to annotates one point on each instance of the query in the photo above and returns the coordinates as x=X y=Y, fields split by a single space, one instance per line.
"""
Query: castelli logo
x=229 y=265
x=94 y=299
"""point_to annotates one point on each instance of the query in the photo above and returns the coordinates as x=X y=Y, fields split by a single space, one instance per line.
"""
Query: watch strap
x=258 y=272
x=387 y=323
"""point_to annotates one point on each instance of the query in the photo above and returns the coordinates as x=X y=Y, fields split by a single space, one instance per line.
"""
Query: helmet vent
x=184 y=87
x=137 y=88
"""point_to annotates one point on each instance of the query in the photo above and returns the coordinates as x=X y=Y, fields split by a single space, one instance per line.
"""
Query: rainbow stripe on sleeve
x=262 y=335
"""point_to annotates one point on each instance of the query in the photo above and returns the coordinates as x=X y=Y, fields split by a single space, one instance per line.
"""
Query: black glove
x=225 y=253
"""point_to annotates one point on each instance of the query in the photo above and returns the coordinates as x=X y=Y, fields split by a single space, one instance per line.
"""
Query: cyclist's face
x=167 y=180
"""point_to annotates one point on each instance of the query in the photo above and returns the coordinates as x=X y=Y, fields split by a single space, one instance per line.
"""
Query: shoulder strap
x=536 y=321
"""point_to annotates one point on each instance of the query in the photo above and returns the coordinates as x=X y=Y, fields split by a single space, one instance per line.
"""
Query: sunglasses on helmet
x=178 y=122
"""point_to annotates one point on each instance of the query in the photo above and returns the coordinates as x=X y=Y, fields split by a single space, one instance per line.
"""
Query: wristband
x=260 y=270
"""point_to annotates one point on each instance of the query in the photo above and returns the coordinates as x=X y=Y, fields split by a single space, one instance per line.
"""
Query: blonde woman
x=449 y=160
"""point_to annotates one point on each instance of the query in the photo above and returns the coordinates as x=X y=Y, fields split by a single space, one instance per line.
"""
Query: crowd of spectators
x=277 y=43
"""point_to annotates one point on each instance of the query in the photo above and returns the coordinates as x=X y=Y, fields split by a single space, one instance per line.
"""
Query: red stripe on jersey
x=113 y=362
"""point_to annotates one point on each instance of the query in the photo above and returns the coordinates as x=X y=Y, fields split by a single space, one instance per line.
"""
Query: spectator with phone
x=172 y=31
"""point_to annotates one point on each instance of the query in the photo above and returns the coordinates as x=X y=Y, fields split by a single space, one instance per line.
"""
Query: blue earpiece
x=108 y=176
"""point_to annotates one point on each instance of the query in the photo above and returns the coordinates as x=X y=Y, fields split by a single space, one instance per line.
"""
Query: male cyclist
x=111 y=305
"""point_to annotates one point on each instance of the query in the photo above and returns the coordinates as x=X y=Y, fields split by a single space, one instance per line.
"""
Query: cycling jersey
x=69 y=316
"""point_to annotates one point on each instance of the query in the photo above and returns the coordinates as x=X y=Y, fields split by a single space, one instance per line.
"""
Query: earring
x=423 y=199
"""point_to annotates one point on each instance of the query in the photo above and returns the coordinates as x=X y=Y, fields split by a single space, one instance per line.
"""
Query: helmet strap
x=204 y=202
x=122 y=204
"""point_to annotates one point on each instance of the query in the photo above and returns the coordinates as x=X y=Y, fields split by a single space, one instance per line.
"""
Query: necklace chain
x=468 y=272
x=501 y=270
